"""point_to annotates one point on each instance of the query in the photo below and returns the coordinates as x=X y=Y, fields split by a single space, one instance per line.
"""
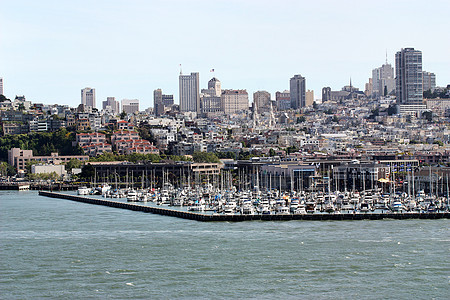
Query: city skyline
x=249 y=45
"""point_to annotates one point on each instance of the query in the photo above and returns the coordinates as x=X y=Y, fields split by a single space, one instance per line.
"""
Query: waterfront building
x=19 y=158
x=283 y=100
x=309 y=98
x=429 y=81
x=409 y=80
x=48 y=168
x=298 y=91
x=130 y=106
x=262 y=100
x=88 y=97
x=111 y=105
x=233 y=101
x=189 y=92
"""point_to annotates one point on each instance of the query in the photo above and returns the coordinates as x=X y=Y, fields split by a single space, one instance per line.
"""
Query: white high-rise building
x=1 y=86
x=130 y=106
x=409 y=80
x=88 y=97
x=190 y=93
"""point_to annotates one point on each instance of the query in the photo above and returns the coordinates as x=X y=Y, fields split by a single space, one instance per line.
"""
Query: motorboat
x=83 y=190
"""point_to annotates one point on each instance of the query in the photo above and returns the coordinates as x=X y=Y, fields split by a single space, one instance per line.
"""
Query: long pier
x=239 y=218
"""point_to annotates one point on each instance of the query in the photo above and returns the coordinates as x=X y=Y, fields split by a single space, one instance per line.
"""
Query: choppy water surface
x=62 y=249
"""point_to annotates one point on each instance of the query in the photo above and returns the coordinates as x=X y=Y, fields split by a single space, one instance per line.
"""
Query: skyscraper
x=409 y=81
x=383 y=80
x=112 y=104
x=190 y=92
x=1 y=86
x=88 y=97
x=158 y=105
x=298 y=91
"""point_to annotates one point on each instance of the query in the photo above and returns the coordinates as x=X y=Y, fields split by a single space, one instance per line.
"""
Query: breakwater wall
x=239 y=218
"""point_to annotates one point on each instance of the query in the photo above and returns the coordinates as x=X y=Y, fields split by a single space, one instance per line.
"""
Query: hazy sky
x=50 y=50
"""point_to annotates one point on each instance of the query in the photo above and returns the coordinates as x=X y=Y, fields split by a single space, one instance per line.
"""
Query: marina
x=198 y=216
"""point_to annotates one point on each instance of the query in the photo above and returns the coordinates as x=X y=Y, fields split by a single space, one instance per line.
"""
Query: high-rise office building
x=130 y=106
x=298 y=91
x=190 y=92
x=409 y=80
x=158 y=105
x=111 y=104
x=262 y=100
x=88 y=97
x=429 y=81
x=383 y=81
x=1 y=86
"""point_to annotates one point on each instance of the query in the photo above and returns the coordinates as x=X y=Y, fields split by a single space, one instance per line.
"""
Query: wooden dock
x=239 y=218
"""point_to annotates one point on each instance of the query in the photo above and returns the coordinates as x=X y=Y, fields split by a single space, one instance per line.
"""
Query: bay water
x=54 y=248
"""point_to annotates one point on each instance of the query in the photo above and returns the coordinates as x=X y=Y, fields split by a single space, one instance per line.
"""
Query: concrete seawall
x=239 y=218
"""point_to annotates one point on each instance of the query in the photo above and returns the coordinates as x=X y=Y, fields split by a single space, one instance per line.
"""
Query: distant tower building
x=214 y=84
x=189 y=93
x=158 y=104
x=262 y=100
x=234 y=100
x=283 y=100
x=383 y=80
x=1 y=86
x=326 y=94
x=298 y=91
x=130 y=106
x=369 y=88
x=409 y=81
x=167 y=100
x=113 y=104
x=88 y=97
x=429 y=81
x=309 y=98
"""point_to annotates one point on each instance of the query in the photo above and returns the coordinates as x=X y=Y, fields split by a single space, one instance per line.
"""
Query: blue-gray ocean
x=53 y=248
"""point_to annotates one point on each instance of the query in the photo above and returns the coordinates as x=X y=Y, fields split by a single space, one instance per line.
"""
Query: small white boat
x=132 y=196
x=83 y=190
